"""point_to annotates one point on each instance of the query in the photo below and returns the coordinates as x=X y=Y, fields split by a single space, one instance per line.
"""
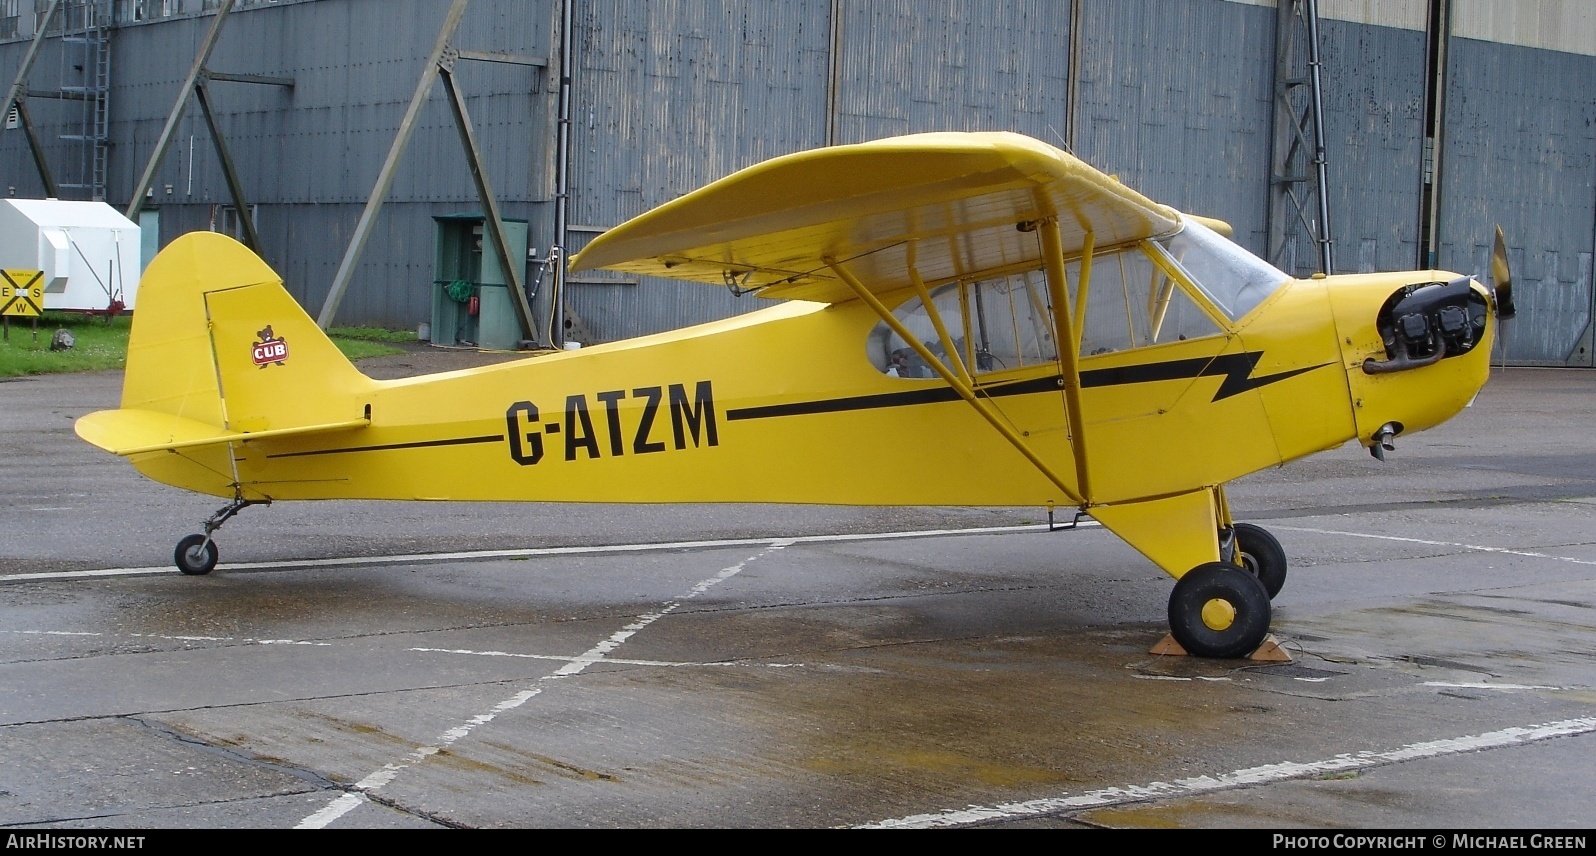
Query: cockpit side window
x=995 y=324
x=1136 y=296
x=1132 y=303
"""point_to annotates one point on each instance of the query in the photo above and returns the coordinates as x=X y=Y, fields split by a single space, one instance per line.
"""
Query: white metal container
x=89 y=252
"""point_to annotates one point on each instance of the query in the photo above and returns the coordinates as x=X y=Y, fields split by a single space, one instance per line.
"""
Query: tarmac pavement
x=377 y=665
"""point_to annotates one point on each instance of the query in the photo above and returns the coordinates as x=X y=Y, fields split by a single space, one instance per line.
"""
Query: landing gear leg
x=1259 y=554
x=196 y=554
x=1251 y=548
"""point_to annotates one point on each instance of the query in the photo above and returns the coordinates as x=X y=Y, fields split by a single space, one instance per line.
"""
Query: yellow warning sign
x=22 y=293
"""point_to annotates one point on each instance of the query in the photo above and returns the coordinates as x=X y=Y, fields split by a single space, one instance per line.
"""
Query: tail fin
x=220 y=352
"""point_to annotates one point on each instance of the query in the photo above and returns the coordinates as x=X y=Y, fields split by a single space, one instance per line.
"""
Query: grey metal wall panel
x=309 y=156
x=56 y=66
x=1174 y=97
x=1373 y=84
x=1176 y=100
x=674 y=94
x=670 y=96
x=966 y=66
x=1520 y=151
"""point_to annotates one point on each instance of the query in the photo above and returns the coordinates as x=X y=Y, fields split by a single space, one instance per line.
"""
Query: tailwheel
x=1219 y=610
x=195 y=555
x=1261 y=555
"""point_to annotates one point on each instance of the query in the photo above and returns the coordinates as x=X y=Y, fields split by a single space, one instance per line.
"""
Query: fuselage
x=786 y=404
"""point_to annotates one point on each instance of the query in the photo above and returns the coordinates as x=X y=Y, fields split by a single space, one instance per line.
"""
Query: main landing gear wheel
x=195 y=555
x=1261 y=555
x=1219 y=610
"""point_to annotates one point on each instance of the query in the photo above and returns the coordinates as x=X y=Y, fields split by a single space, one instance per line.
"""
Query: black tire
x=1261 y=555
x=1238 y=598
x=195 y=556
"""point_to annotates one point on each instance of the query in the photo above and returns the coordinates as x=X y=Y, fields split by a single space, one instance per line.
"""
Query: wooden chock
x=1271 y=652
x=1168 y=647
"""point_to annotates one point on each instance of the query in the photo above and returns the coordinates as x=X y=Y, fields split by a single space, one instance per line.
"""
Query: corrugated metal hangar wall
x=1175 y=96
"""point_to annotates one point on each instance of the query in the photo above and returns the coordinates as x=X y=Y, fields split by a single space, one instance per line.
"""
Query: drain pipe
x=833 y=71
x=1326 y=263
x=562 y=179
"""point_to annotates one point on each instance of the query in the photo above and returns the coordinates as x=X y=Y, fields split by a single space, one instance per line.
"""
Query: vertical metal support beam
x=1439 y=34
x=234 y=186
x=1284 y=144
x=562 y=178
x=1298 y=105
x=1326 y=262
x=172 y=118
x=1587 y=338
x=390 y=166
x=51 y=189
x=1073 y=84
x=833 y=71
x=1064 y=334
x=513 y=268
x=14 y=94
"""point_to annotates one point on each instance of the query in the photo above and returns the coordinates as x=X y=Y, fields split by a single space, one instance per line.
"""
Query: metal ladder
x=1299 y=212
x=86 y=25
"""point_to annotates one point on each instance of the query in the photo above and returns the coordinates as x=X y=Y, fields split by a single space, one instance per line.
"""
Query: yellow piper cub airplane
x=965 y=319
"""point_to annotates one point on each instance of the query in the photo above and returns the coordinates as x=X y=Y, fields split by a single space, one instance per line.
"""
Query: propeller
x=1502 y=278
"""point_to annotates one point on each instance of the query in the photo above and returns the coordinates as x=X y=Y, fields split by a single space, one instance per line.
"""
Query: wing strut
x=1081 y=288
x=942 y=330
x=954 y=380
x=1067 y=338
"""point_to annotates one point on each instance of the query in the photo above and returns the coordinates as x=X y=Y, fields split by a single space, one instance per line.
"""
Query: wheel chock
x=1168 y=647
x=1270 y=651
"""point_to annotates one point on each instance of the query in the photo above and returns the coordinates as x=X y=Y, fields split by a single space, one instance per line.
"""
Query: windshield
x=1234 y=279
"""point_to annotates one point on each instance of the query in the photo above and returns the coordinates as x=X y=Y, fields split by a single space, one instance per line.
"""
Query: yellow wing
x=943 y=204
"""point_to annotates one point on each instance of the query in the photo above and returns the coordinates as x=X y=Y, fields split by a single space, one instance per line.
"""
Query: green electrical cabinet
x=471 y=301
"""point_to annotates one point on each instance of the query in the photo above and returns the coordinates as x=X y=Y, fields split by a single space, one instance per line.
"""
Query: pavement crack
x=428 y=816
x=167 y=732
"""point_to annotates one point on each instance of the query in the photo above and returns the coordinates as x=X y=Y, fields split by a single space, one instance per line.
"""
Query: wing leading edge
x=940 y=205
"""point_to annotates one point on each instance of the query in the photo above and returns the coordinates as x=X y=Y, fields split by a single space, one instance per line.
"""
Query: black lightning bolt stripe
x=935 y=395
x=1236 y=369
x=421 y=444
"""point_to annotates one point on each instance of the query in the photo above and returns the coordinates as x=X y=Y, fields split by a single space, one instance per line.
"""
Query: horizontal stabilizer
x=132 y=432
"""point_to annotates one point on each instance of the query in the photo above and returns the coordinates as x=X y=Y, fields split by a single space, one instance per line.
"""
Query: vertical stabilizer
x=221 y=352
x=217 y=339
